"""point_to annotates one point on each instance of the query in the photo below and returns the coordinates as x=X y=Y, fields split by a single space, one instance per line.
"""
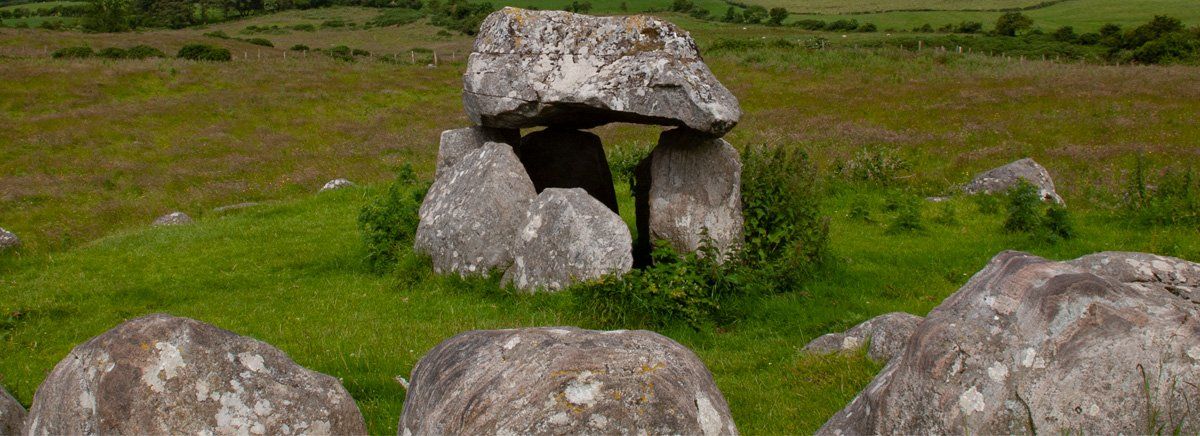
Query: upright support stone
x=12 y=415
x=690 y=185
x=458 y=142
x=567 y=158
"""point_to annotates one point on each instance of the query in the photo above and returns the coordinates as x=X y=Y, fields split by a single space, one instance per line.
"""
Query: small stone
x=8 y=240
x=458 y=142
x=173 y=219
x=565 y=158
x=1000 y=180
x=887 y=335
x=12 y=414
x=336 y=184
x=235 y=207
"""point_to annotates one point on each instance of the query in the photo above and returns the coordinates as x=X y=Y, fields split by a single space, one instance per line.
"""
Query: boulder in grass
x=8 y=240
x=458 y=142
x=1002 y=179
x=886 y=335
x=161 y=374
x=563 y=380
x=173 y=219
x=12 y=414
x=336 y=184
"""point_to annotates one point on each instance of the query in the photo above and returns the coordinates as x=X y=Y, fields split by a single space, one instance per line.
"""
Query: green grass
x=1083 y=15
x=40 y=5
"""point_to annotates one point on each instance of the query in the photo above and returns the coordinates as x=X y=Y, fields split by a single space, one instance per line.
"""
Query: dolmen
x=541 y=207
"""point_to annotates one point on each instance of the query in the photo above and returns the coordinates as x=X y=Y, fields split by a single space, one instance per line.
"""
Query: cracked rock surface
x=1095 y=345
x=161 y=374
x=563 y=380
x=456 y=143
x=541 y=68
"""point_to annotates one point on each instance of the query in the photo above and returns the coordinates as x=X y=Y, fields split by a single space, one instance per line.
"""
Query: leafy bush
x=333 y=24
x=1012 y=22
x=299 y=47
x=1023 y=208
x=144 y=52
x=867 y=28
x=73 y=53
x=847 y=25
x=809 y=24
x=359 y=52
x=908 y=215
x=623 y=161
x=304 y=27
x=260 y=41
x=341 y=53
x=389 y=222
x=112 y=53
x=969 y=27
x=204 y=52
x=217 y=34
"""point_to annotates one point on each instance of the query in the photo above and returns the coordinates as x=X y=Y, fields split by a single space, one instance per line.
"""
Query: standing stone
x=165 y=375
x=1105 y=344
x=458 y=142
x=336 y=184
x=688 y=185
x=12 y=415
x=1001 y=179
x=568 y=237
x=173 y=219
x=563 y=380
x=8 y=240
x=545 y=68
x=567 y=158
x=887 y=334
x=472 y=212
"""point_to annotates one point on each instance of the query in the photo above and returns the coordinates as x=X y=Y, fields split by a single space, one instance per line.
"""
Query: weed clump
x=389 y=222
x=73 y=53
x=880 y=165
x=204 y=52
x=260 y=41
x=143 y=52
x=908 y=216
x=1169 y=197
x=1028 y=214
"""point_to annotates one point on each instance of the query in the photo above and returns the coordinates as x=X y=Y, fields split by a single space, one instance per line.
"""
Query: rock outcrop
x=458 y=142
x=8 y=240
x=12 y=415
x=172 y=219
x=690 y=186
x=336 y=184
x=568 y=158
x=1001 y=179
x=542 y=68
x=887 y=334
x=1104 y=344
x=563 y=380
x=568 y=237
x=161 y=374
x=470 y=216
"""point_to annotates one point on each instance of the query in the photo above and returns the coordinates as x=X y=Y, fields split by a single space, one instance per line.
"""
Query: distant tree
x=1012 y=22
x=867 y=27
x=925 y=28
x=754 y=14
x=1065 y=34
x=731 y=16
x=776 y=16
x=682 y=5
x=1158 y=27
x=969 y=27
x=107 y=16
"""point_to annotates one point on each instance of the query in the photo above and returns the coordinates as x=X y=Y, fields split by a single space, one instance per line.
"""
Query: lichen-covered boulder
x=688 y=186
x=172 y=219
x=567 y=158
x=12 y=415
x=568 y=237
x=336 y=184
x=887 y=334
x=161 y=374
x=542 y=68
x=1001 y=179
x=8 y=240
x=1105 y=344
x=471 y=213
x=563 y=380
x=458 y=142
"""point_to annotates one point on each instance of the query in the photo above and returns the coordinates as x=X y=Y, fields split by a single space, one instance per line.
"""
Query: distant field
x=1084 y=15
x=842 y=7
x=39 y=5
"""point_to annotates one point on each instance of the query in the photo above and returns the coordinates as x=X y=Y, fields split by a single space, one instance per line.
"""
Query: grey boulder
x=336 y=184
x=568 y=158
x=1001 y=179
x=161 y=374
x=471 y=213
x=458 y=142
x=1104 y=344
x=568 y=237
x=563 y=380
x=8 y=240
x=688 y=187
x=886 y=335
x=12 y=414
x=173 y=219
x=542 y=68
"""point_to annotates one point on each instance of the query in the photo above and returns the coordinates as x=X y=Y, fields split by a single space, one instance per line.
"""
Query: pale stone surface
x=336 y=184
x=470 y=215
x=161 y=374
x=8 y=240
x=541 y=68
x=12 y=414
x=887 y=334
x=458 y=142
x=1036 y=346
x=1001 y=179
x=688 y=185
x=568 y=158
x=173 y=219
x=568 y=237
x=563 y=380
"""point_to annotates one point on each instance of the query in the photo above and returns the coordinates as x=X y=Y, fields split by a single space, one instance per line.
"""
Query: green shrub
x=204 y=52
x=341 y=53
x=1058 y=222
x=623 y=161
x=987 y=204
x=333 y=24
x=73 y=53
x=112 y=53
x=304 y=27
x=217 y=34
x=260 y=41
x=143 y=52
x=947 y=214
x=880 y=165
x=781 y=194
x=860 y=211
x=809 y=24
x=1024 y=208
x=299 y=47
x=1168 y=197
x=389 y=222
x=908 y=216
x=360 y=52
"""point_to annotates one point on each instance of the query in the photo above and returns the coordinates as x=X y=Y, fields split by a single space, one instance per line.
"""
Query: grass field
x=96 y=149
x=1083 y=15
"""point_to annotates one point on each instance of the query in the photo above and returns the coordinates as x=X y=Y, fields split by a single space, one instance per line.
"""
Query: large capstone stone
x=563 y=380
x=458 y=142
x=1002 y=179
x=1104 y=344
x=165 y=375
x=472 y=212
x=690 y=187
x=884 y=336
x=8 y=240
x=12 y=414
x=567 y=158
x=541 y=68
x=568 y=237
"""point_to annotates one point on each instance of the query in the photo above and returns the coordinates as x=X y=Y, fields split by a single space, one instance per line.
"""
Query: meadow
x=95 y=149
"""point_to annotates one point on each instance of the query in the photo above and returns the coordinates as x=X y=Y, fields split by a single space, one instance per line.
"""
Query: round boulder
x=8 y=240
x=568 y=237
x=161 y=374
x=1001 y=179
x=173 y=219
x=12 y=415
x=563 y=380
x=1105 y=344
x=336 y=184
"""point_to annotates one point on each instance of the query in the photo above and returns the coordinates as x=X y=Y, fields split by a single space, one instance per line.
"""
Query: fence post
x=413 y=54
x=435 y=58
x=920 y=45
